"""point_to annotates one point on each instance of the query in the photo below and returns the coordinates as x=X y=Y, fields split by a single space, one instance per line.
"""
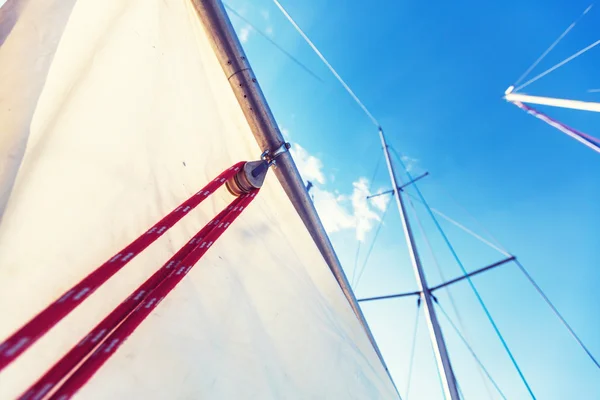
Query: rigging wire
x=375 y=172
x=497 y=245
x=266 y=36
x=556 y=312
x=523 y=270
x=412 y=351
x=359 y=242
x=443 y=277
x=447 y=289
x=431 y=211
x=333 y=71
x=466 y=343
x=422 y=231
x=470 y=281
x=372 y=245
x=438 y=372
x=460 y=392
x=464 y=228
x=552 y=46
x=435 y=260
x=557 y=66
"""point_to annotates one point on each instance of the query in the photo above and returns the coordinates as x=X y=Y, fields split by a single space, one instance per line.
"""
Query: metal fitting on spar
x=252 y=175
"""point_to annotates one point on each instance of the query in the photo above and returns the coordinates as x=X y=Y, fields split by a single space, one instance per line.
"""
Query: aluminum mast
x=437 y=339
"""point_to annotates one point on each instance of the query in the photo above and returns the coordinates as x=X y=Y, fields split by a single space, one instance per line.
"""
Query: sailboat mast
x=553 y=102
x=234 y=62
x=437 y=339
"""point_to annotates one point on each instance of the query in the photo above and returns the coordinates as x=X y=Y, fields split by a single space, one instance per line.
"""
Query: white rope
x=333 y=71
x=557 y=66
x=552 y=46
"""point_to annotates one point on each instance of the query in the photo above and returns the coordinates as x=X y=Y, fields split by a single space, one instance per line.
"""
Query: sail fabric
x=584 y=138
x=113 y=112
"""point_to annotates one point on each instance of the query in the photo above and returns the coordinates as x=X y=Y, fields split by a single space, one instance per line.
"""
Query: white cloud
x=269 y=30
x=363 y=214
x=409 y=162
x=339 y=211
x=265 y=14
x=334 y=216
x=245 y=33
x=381 y=202
x=310 y=167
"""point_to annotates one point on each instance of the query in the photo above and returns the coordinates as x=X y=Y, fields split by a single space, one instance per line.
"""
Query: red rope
x=109 y=334
x=27 y=335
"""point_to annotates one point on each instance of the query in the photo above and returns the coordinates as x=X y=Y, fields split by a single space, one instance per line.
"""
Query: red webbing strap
x=210 y=233
x=20 y=341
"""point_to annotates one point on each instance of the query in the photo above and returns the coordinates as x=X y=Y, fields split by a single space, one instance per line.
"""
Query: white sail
x=112 y=113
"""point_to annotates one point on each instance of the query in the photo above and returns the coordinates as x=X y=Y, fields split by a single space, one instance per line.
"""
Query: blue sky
x=433 y=73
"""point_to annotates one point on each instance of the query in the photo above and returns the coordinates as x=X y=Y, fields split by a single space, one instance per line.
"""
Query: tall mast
x=437 y=339
x=519 y=100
